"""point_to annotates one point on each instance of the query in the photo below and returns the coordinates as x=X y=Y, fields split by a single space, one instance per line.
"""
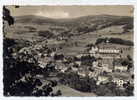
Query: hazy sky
x=71 y=11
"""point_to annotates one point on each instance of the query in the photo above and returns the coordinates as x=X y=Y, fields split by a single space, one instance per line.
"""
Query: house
x=39 y=54
x=104 y=66
x=121 y=78
x=120 y=68
x=64 y=69
x=115 y=49
x=78 y=63
x=59 y=66
x=93 y=50
x=52 y=54
x=90 y=74
x=82 y=71
x=83 y=74
x=45 y=54
x=42 y=64
x=74 y=69
x=79 y=56
x=119 y=82
x=93 y=74
x=102 y=79
x=95 y=64
x=97 y=71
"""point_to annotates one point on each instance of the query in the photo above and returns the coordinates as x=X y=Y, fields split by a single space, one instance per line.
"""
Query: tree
x=107 y=89
x=129 y=90
x=58 y=93
x=8 y=18
x=93 y=85
x=129 y=58
x=103 y=90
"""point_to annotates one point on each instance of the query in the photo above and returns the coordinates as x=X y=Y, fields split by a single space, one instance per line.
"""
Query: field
x=84 y=30
x=67 y=91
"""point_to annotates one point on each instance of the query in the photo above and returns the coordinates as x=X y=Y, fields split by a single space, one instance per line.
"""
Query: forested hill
x=89 y=23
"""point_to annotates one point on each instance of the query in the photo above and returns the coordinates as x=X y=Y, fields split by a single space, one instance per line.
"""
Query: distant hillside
x=85 y=23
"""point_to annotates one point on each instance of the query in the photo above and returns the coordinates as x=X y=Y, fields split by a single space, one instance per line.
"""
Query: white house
x=79 y=56
x=102 y=79
x=82 y=74
x=93 y=50
x=95 y=73
x=95 y=64
x=120 y=68
x=53 y=54
x=119 y=82
x=74 y=69
x=109 y=51
x=64 y=69
x=78 y=63
x=42 y=64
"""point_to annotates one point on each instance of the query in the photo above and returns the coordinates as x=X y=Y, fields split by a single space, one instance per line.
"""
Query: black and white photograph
x=68 y=50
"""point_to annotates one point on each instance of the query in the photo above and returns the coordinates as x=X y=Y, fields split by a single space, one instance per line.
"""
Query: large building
x=113 y=49
x=109 y=52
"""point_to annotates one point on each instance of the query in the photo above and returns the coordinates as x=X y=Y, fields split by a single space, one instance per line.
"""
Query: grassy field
x=67 y=91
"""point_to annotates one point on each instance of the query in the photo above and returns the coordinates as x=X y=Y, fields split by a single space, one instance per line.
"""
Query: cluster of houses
x=108 y=61
x=103 y=68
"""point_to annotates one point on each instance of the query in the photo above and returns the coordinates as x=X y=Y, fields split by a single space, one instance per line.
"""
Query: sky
x=71 y=11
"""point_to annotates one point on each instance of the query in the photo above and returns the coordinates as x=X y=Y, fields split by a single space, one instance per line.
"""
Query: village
x=81 y=54
x=104 y=62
